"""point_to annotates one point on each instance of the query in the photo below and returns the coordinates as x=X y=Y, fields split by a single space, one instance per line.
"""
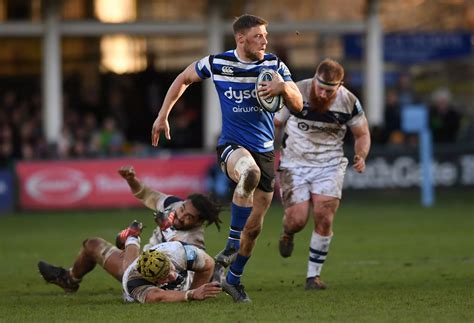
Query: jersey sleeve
x=165 y=201
x=196 y=258
x=357 y=115
x=139 y=289
x=170 y=200
x=284 y=72
x=203 y=67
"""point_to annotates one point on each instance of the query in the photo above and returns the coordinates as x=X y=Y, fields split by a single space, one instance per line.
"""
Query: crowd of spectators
x=118 y=122
x=447 y=122
x=113 y=123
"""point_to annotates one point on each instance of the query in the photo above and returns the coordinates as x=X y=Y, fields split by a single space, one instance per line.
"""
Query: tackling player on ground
x=149 y=277
x=245 y=146
x=313 y=165
x=177 y=219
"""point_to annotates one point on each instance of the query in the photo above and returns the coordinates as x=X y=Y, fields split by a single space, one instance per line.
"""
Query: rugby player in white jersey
x=245 y=146
x=177 y=219
x=313 y=164
x=149 y=277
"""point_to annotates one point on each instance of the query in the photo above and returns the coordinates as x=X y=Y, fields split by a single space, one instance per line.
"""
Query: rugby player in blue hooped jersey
x=245 y=146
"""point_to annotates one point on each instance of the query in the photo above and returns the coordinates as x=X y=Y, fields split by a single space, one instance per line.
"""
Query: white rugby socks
x=318 y=250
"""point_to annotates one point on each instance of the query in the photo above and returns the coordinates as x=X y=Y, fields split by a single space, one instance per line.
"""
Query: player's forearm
x=292 y=97
x=142 y=192
x=177 y=88
x=203 y=274
x=135 y=184
x=160 y=295
x=362 y=145
x=175 y=91
x=201 y=278
x=148 y=197
x=278 y=134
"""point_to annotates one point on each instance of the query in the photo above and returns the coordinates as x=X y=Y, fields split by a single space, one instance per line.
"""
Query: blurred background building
x=85 y=78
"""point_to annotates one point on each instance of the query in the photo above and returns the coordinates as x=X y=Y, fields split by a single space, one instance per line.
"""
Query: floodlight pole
x=52 y=75
x=211 y=110
x=374 y=81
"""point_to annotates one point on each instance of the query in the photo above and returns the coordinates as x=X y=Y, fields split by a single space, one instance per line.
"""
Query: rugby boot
x=134 y=229
x=164 y=219
x=237 y=292
x=226 y=257
x=58 y=276
x=285 y=245
x=314 y=283
x=219 y=273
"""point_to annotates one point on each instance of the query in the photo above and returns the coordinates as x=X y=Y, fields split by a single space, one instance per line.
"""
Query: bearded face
x=253 y=43
x=250 y=53
x=186 y=216
x=323 y=93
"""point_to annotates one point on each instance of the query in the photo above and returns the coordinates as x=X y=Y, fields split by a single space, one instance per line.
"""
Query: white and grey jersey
x=194 y=236
x=316 y=139
x=184 y=257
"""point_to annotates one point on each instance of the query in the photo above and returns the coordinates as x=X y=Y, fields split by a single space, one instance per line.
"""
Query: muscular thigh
x=111 y=259
x=294 y=187
x=327 y=181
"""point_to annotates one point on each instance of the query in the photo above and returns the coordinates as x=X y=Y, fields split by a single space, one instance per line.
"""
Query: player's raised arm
x=142 y=192
x=176 y=90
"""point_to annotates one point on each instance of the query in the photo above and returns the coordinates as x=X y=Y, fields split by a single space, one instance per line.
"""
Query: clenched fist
x=127 y=172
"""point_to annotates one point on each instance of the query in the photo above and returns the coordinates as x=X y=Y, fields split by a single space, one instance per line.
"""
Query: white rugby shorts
x=298 y=183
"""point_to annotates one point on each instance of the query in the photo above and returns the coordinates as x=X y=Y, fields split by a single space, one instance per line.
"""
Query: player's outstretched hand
x=209 y=290
x=127 y=172
x=159 y=126
x=359 y=164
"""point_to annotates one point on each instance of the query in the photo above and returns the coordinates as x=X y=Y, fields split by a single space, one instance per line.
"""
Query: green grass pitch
x=391 y=260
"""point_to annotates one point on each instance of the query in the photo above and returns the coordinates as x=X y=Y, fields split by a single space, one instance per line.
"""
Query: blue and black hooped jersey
x=243 y=121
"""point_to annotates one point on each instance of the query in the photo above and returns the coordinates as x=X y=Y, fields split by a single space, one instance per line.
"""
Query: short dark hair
x=246 y=21
x=208 y=208
x=330 y=70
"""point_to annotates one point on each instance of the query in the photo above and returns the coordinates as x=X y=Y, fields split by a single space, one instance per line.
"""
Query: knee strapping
x=249 y=176
x=98 y=249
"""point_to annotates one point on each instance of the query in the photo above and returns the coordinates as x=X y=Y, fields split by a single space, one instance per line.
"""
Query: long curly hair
x=207 y=207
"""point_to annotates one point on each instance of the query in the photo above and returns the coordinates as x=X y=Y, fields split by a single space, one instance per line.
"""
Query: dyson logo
x=240 y=95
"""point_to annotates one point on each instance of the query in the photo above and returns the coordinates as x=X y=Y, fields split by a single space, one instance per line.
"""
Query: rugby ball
x=274 y=103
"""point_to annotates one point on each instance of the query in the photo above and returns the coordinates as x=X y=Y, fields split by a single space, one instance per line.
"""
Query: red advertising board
x=90 y=184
